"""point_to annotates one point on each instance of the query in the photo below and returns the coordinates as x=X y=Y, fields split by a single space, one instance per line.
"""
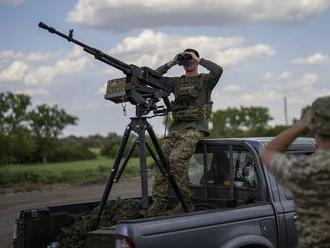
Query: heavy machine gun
x=144 y=88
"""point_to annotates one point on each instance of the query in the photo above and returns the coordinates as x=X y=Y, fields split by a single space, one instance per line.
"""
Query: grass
x=77 y=172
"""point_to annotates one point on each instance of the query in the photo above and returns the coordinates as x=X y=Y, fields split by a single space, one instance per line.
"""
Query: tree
x=16 y=143
x=243 y=121
x=111 y=145
x=255 y=117
x=13 y=111
x=47 y=123
x=18 y=147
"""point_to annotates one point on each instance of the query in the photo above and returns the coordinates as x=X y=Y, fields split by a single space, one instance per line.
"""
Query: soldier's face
x=191 y=65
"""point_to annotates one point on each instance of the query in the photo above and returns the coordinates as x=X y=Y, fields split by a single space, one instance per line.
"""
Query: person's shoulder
x=320 y=159
x=288 y=158
x=291 y=162
x=286 y=166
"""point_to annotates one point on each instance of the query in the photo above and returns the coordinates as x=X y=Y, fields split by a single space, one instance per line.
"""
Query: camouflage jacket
x=309 y=180
x=208 y=79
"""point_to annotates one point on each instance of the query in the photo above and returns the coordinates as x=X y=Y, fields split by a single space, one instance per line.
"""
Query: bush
x=17 y=147
x=62 y=153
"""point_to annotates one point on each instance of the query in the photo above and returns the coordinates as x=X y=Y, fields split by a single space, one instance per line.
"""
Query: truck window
x=196 y=167
x=245 y=169
x=218 y=169
x=226 y=176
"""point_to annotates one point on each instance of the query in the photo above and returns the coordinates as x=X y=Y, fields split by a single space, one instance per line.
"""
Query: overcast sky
x=268 y=49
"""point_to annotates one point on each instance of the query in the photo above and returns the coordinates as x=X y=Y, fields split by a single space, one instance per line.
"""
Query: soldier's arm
x=281 y=142
x=164 y=68
x=213 y=77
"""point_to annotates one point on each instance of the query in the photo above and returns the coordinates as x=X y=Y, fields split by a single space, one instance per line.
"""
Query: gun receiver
x=142 y=85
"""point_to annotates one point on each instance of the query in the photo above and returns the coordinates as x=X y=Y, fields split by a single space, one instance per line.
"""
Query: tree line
x=31 y=134
x=250 y=121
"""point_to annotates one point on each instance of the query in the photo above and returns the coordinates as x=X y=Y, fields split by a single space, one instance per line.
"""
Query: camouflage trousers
x=178 y=147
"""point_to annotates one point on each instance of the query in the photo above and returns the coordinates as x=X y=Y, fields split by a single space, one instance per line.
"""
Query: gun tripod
x=139 y=125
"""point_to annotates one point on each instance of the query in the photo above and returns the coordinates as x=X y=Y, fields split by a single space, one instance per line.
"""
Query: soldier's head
x=318 y=119
x=192 y=64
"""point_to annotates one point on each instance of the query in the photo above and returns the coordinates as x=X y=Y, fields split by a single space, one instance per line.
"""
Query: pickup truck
x=239 y=204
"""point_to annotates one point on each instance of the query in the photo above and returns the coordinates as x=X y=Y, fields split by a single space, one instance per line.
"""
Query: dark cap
x=192 y=50
x=318 y=120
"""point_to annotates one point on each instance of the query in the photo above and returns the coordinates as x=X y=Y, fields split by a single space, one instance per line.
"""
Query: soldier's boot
x=156 y=209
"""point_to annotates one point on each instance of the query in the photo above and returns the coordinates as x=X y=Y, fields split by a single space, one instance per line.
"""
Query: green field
x=77 y=172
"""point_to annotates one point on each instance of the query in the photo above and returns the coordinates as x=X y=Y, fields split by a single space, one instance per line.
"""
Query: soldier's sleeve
x=284 y=167
x=213 y=77
x=163 y=69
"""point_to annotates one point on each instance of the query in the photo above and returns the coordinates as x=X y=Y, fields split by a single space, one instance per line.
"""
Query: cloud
x=11 y=2
x=14 y=72
x=274 y=77
x=128 y=14
x=155 y=48
x=30 y=57
x=232 y=88
x=237 y=55
x=300 y=91
x=26 y=69
x=316 y=58
x=34 y=92
x=288 y=83
x=44 y=74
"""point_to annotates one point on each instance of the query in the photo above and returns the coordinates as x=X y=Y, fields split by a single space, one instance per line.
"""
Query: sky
x=269 y=49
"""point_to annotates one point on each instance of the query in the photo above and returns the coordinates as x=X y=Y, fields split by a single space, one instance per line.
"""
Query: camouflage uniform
x=184 y=144
x=309 y=180
x=188 y=127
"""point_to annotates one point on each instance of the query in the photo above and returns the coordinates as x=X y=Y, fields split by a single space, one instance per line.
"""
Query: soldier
x=192 y=93
x=308 y=177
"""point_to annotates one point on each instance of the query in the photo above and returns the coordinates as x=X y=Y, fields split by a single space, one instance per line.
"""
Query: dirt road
x=10 y=204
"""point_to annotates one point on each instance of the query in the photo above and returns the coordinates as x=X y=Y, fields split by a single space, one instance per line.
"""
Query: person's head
x=318 y=119
x=192 y=64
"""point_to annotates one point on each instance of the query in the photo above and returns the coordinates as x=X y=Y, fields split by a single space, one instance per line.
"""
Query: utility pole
x=286 y=111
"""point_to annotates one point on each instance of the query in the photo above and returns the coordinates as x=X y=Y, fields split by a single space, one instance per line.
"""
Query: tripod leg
x=143 y=165
x=153 y=155
x=165 y=167
x=123 y=166
x=113 y=172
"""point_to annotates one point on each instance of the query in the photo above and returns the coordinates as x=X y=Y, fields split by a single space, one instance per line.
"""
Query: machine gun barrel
x=98 y=54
